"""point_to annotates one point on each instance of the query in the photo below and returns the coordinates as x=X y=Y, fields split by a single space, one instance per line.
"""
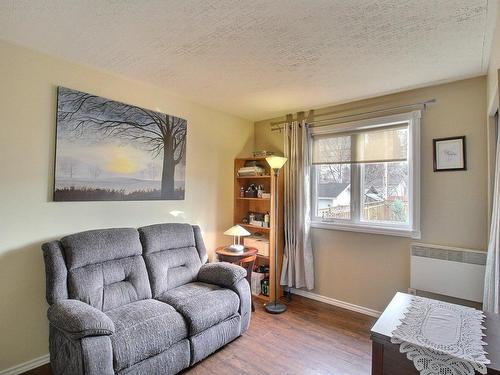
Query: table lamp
x=276 y=163
x=236 y=231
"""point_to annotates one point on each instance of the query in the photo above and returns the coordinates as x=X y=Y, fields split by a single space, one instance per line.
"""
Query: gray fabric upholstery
x=110 y=284
x=78 y=319
x=208 y=341
x=171 y=255
x=103 y=320
x=97 y=246
x=172 y=268
x=144 y=329
x=56 y=272
x=202 y=306
x=65 y=354
x=171 y=361
x=242 y=288
x=87 y=356
x=222 y=273
x=200 y=244
x=186 y=291
x=161 y=237
x=97 y=355
x=105 y=267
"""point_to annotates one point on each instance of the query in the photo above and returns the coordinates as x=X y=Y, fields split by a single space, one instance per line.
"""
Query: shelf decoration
x=254 y=210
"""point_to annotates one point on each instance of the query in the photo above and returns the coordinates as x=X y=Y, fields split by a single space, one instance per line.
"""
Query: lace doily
x=442 y=338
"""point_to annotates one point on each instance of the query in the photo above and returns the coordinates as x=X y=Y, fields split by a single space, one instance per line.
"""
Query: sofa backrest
x=173 y=253
x=103 y=268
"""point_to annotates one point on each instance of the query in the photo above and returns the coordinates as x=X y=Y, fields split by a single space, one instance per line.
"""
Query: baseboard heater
x=450 y=271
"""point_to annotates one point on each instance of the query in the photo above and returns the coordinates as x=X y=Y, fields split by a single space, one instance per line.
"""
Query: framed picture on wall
x=449 y=154
x=108 y=151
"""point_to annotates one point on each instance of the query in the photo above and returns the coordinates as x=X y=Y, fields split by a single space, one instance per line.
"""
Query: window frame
x=412 y=229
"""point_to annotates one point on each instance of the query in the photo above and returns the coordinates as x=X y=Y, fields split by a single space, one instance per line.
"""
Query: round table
x=245 y=259
x=226 y=255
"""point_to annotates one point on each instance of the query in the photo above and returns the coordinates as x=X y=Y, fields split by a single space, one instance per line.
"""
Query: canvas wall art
x=108 y=151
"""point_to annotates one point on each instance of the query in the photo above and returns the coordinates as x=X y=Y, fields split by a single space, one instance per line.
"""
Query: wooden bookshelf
x=252 y=177
x=254 y=199
x=242 y=206
x=254 y=227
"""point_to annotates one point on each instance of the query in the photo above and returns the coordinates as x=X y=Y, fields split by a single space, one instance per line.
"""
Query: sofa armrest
x=222 y=274
x=79 y=319
x=242 y=289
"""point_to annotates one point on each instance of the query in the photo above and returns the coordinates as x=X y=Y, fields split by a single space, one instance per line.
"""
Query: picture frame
x=112 y=151
x=449 y=154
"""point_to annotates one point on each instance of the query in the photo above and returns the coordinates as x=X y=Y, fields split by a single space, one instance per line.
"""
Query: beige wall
x=367 y=269
x=494 y=65
x=492 y=83
x=27 y=215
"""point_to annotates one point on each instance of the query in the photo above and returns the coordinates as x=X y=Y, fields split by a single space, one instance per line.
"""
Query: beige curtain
x=491 y=299
x=298 y=265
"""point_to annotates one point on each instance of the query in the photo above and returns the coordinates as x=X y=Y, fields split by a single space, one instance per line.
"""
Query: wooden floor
x=310 y=338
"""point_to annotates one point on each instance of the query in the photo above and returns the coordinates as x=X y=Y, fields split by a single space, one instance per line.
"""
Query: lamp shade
x=276 y=162
x=237 y=231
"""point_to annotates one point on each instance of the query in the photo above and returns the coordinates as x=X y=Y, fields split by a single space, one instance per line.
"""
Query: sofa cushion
x=97 y=246
x=110 y=284
x=106 y=268
x=173 y=255
x=187 y=291
x=144 y=329
x=161 y=237
x=202 y=305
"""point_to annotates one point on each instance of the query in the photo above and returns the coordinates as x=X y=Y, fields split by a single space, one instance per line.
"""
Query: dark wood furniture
x=386 y=358
x=245 y=259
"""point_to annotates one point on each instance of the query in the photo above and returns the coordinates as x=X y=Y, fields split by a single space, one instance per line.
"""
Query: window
x=365 y=175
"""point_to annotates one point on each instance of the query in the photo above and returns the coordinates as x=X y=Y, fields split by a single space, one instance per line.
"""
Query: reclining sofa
x=139 y=301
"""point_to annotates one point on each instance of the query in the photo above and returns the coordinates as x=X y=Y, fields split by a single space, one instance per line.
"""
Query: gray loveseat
x=128 y=301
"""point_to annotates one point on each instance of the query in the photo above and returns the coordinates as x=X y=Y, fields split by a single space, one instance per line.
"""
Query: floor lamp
x=275 y=162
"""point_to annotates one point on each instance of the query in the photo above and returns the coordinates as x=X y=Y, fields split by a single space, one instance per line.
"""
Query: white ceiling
x=261 y=58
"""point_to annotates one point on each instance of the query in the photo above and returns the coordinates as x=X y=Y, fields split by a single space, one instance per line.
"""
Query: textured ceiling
x=258 y=59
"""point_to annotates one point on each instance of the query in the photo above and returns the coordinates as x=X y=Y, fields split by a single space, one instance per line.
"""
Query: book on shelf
x=251 y=171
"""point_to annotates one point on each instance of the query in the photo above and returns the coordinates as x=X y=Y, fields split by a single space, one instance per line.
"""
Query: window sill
x=372 y=229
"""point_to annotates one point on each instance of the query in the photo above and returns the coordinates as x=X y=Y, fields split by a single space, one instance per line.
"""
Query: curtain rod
x=412 y=105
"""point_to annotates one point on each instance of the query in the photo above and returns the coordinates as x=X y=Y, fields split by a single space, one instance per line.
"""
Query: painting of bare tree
x=107 y=150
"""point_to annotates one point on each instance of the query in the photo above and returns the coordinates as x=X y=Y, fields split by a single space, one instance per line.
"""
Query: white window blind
x=376 y=145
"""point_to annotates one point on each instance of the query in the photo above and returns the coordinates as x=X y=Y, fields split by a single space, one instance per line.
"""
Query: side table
x=386 y=357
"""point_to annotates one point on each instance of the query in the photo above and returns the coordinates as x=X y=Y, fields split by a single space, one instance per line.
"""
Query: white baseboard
x=336 y=302
x=26 y=366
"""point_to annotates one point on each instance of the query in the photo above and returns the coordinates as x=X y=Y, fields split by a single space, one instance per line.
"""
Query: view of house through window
x=334 y=191
x=361 y=176
x=384 y=192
